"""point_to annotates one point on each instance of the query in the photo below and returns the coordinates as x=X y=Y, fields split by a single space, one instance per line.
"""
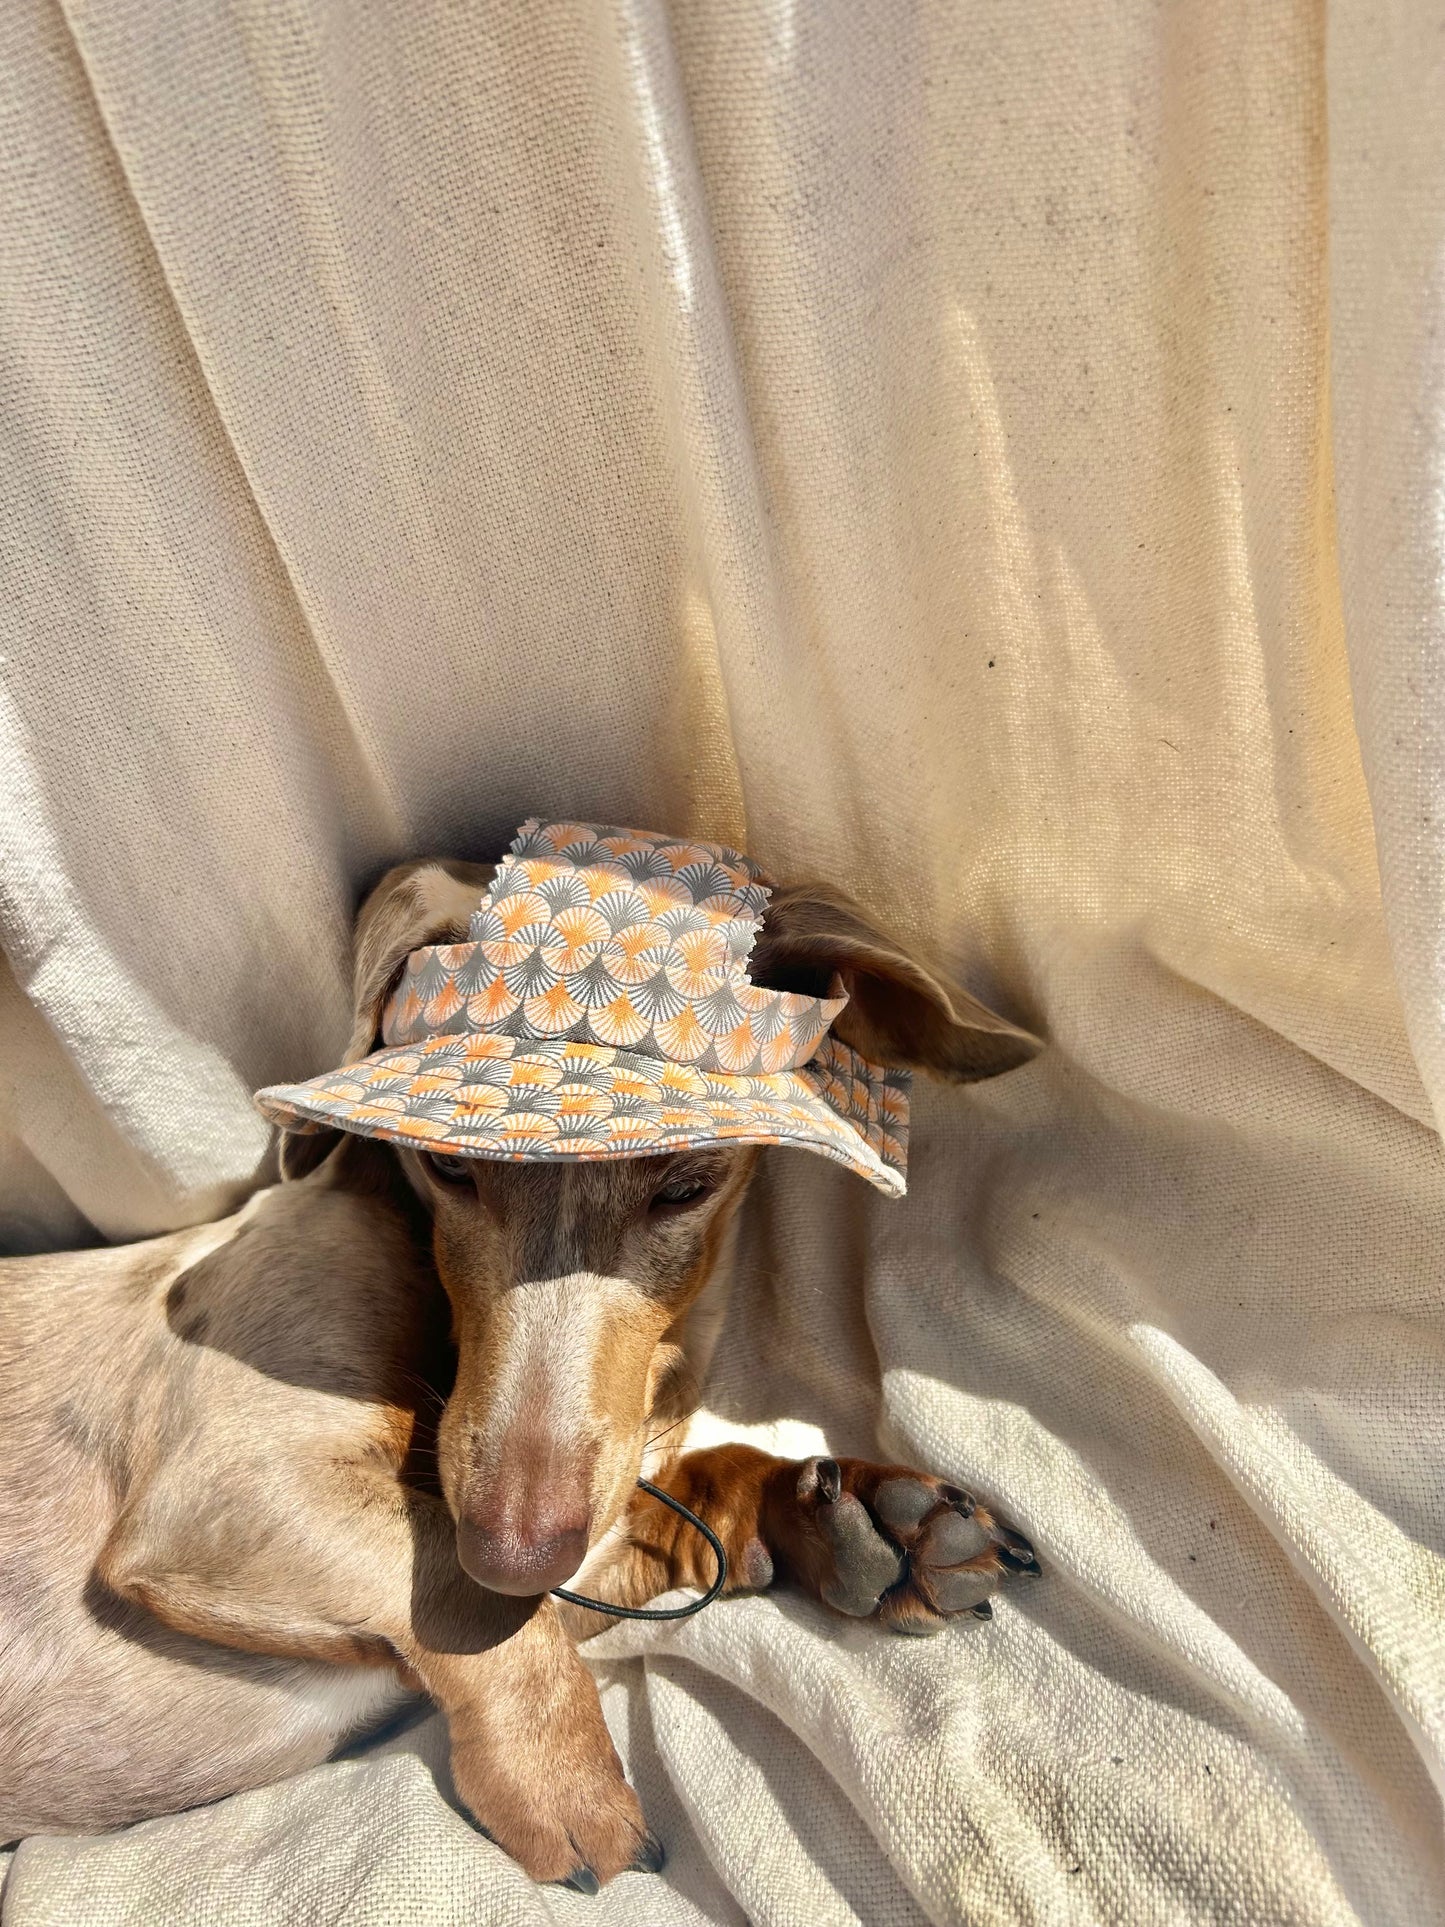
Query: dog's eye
x=681 y=1191
x=448 y=1170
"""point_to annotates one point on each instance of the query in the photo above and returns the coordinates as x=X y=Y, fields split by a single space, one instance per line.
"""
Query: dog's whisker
x=657 y=1437
x=415 y=1381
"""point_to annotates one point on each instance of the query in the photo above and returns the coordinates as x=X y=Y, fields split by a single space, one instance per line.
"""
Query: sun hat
x=602 y=1009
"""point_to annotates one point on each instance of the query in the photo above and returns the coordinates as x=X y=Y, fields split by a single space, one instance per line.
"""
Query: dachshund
x=269 y=1477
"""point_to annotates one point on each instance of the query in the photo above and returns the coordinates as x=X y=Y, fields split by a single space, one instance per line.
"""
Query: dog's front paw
x=553 y=1795
x=885 y=1540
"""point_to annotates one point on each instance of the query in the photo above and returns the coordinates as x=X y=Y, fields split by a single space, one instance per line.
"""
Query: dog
x=268 y=1478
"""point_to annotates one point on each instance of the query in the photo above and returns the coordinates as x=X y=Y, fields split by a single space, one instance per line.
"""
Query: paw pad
x=908 y=1547
x=955 y=1554
x=865 y=1565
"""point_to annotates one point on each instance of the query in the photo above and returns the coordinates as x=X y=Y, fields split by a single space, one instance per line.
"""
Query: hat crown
x=616 y=937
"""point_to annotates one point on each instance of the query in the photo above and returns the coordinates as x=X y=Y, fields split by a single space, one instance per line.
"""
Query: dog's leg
x=868 y=1540
x=355 y=1568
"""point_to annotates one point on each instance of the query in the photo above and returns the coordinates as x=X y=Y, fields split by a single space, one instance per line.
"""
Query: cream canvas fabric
x=989 y=456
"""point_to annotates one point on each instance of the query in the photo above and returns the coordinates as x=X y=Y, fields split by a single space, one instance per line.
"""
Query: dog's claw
x=582 y=1880
x=1015 y=1552
x=650 y=1856
x=1019 y=1567
x=963 y=1502
x=830 y=1481
x=984 y=1609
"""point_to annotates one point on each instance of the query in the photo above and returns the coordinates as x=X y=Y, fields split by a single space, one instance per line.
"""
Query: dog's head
x=570 y=1282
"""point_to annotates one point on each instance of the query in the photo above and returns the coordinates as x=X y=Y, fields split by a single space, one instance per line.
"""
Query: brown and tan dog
x=265 y=1478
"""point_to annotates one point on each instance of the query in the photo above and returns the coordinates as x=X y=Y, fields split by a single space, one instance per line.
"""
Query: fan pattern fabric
x=618 y=937
x=602 y=1009
x=495 y=1096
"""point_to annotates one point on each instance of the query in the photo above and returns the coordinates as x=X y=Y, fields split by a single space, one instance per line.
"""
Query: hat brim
x=483 y=1095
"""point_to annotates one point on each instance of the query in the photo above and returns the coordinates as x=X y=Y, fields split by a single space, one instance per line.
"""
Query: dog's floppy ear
x=898 y=1011
x=428 y=901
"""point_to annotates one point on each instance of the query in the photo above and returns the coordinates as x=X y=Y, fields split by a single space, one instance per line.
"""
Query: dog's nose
x=505 y=1558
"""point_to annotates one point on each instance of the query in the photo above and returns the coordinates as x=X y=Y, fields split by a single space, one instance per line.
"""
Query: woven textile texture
x=990 y=458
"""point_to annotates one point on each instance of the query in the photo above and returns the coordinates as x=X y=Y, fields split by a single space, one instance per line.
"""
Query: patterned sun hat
x=602 y=1009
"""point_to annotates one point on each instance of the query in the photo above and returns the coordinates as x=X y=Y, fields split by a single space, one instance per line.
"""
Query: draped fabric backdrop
x=988 y=455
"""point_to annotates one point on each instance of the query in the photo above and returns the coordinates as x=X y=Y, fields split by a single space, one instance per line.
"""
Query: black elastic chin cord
x=661 y=1612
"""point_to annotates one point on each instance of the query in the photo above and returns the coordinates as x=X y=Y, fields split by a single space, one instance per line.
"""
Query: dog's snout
x=523 y=1557
x=535 y=1443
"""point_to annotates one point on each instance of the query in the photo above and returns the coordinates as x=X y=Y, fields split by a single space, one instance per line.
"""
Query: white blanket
x=971 y=452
